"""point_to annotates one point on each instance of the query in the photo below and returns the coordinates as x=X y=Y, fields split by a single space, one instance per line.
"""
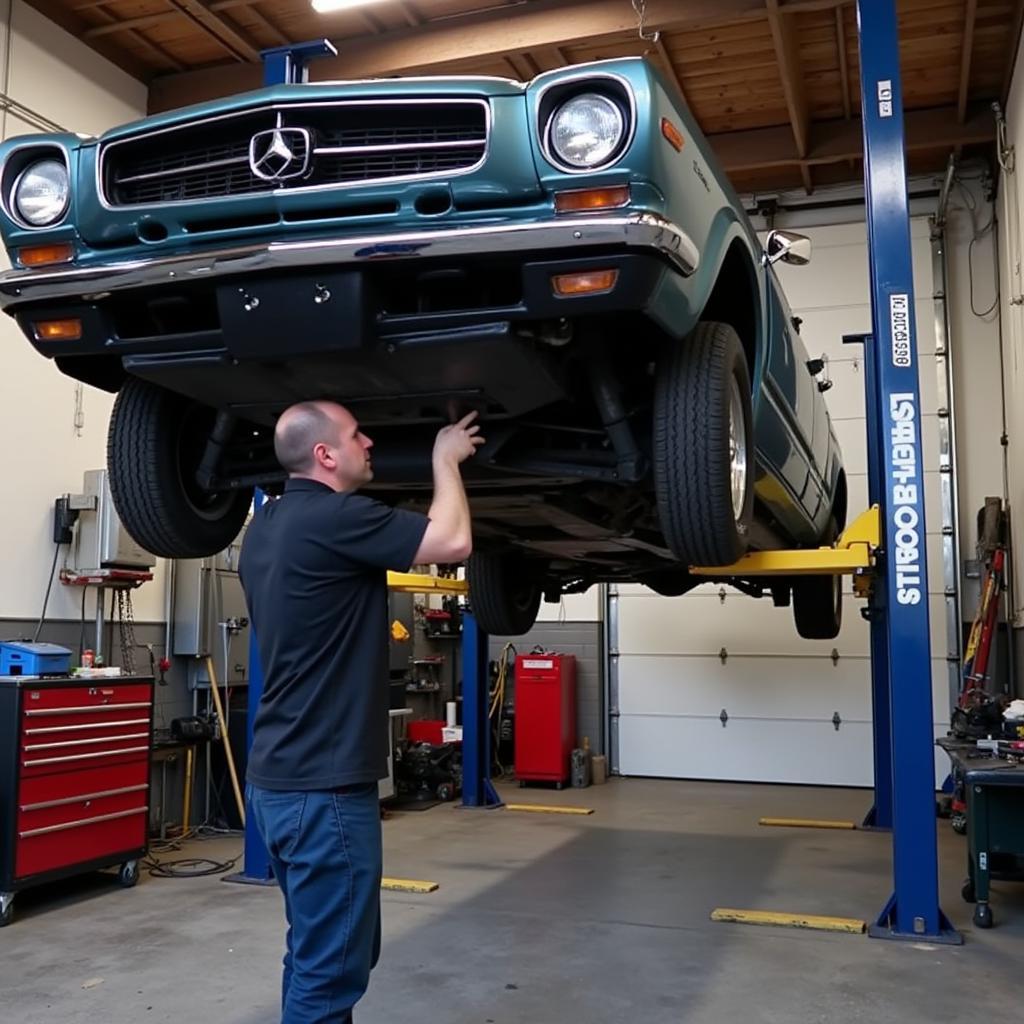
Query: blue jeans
x=325 y=851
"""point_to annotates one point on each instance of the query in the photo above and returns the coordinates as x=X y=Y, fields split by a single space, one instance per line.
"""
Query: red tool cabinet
x=74 y=779
x=545 y=730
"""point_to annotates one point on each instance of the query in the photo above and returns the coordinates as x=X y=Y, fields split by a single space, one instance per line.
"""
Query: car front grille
x=295 y=147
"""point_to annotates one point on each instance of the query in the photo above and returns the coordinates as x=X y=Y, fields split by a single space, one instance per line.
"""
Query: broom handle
x=224 y=736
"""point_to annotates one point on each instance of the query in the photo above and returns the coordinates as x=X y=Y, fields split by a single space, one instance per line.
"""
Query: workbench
x=994 y=789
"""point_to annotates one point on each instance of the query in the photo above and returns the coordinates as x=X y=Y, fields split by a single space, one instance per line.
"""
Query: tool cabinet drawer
x=82 y=699
x=64 y=814
x=122 y=749
x=76 y=784
x=79 y=840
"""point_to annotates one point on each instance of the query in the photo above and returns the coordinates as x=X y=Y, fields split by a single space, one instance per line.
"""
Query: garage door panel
x=751 y=751
x=857 y=493
x=781 y=687
x=746 y=751
x=845 y=400
x=779 y=690
x=703 y=623
x=823 y=328
x=846 y=281
x=850 y=435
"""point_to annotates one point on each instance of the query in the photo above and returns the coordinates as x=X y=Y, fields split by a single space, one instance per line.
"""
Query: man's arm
x=449 y=534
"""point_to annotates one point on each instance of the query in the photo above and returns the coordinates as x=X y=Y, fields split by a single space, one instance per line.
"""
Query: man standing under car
x=314 y=569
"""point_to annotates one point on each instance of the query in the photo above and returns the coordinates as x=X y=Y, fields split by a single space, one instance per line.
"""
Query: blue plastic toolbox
x=25 y=658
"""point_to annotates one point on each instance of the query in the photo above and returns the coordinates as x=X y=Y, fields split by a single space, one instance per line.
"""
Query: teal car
x=562 y=255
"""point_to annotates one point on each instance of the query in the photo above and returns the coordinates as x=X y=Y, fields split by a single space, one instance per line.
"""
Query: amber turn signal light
x=672 y=133
x=582 y=199
x=58 y=330
x=589 y=282
x=44 y=255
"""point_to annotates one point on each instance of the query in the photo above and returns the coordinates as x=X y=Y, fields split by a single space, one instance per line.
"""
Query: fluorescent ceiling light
x=329 y=6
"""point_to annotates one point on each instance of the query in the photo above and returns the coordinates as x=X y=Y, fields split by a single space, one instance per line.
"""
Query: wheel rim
x=737 y=451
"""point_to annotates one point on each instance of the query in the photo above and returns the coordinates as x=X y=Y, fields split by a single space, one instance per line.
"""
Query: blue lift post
x=477 y=788
x=880 y=815
x=256 y=860
x=282 y=65
x=913 y=910
x=288 y=65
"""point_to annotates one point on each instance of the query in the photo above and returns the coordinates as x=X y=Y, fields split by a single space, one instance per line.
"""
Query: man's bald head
x=300 y=428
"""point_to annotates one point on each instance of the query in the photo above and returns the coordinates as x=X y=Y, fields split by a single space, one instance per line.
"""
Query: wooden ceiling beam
x=966 y=50
x=117 y=27
x=1012 y=50
x=835 y=141
x=411 y=15
x=275 y=33
x=787 y=53
x=807 y=6
x=490 y=33
x=231 y=38
x=844 y=67
x=533 y=69
x=670 y=68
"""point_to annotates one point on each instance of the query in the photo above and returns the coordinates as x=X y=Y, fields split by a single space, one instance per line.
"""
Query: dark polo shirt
x=314 y=569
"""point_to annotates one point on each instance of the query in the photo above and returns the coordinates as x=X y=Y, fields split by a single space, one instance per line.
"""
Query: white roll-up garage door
x=717 y=685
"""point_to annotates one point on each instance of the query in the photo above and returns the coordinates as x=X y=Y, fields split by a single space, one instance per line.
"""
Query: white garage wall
x=780 y=692
x=1011 y=234
x=42 y=455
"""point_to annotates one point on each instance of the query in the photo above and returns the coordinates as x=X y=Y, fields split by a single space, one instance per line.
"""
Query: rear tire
x=154 y=444
x=703 y=447
x=818 y=601
x=504 y=598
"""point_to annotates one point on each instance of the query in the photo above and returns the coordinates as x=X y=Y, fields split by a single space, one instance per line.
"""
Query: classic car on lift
x=563 y=256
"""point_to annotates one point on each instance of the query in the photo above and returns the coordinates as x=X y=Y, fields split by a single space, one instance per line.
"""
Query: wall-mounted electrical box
x=210 y=617
x=101 y=542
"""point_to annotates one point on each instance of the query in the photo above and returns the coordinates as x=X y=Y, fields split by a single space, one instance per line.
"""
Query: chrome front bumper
x=636 y=231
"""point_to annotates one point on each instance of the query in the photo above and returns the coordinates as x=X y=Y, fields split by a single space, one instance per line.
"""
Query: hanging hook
x=640 y=6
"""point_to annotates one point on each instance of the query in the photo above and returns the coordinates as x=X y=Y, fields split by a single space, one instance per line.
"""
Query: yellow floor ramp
x=408 y=885
x=549 y=809
x=805 y=823
x=849 y=925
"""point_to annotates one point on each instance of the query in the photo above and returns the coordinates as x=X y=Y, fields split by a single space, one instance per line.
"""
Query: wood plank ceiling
x=773 y=83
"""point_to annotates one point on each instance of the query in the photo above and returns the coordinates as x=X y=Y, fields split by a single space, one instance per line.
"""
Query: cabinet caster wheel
x=128 y=875
x=983 y=915
x=522 y=784
x=968 y=892
x=959 y=823
x=559 y=785
x=6 y=909
x=444 y=792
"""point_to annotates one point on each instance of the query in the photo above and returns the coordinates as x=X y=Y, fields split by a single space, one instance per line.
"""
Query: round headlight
x=586 y=130
x=41 y=193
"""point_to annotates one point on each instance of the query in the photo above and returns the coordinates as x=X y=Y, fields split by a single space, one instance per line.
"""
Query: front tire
x=703 y=447
x=818 y=601
x=155 y=442
x=505 y=599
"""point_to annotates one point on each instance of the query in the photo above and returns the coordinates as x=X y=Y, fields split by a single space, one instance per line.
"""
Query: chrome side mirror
x=789 y=247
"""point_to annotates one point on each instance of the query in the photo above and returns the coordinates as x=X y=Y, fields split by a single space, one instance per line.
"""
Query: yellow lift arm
x=853 y=555
x=419 y=583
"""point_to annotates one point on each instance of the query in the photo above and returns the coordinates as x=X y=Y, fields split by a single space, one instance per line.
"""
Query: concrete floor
x=542 y=919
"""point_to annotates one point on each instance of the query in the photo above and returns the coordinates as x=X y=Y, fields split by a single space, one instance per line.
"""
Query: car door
x=791 y=396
